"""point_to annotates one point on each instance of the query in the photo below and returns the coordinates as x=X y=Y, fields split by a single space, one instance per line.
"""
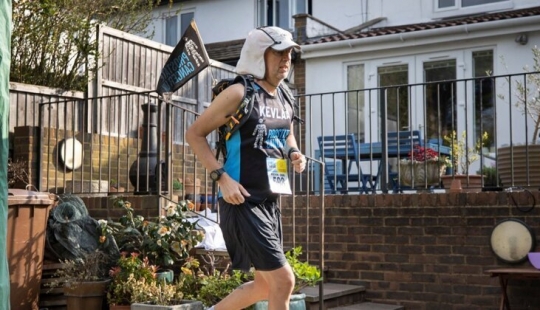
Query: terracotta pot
x=176 y=195
x=119 y=189
x=192 y=187
x=471 y=183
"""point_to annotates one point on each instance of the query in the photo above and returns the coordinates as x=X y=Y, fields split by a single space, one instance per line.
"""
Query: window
x=279 y=12
x=466 y=3
x=173 y=31
x=442 y=4
x=484 y=95
x=185 y=20
x=355 y=100
x=451 y=8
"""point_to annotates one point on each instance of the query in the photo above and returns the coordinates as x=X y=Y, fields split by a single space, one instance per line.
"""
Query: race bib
x=278 y=176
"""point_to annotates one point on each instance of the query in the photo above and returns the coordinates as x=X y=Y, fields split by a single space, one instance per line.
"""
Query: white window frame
x=372 y=78
x=178 y=23
x=459 y=10
x=365 y=116
x=458 y=56
x=292 y=9
x=166 y=18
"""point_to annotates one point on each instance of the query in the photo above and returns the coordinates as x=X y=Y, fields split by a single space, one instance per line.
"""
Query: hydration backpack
x=241 y=115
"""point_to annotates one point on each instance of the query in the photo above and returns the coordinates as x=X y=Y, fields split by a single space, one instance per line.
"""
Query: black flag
x=188 y=58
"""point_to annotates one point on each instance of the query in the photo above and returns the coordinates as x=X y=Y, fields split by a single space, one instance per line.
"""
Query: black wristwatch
x=216 y=174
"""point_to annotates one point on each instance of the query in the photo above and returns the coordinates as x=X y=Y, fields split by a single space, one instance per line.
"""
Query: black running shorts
x=253 y=235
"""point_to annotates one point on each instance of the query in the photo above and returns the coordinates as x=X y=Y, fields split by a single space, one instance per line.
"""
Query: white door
x=391 y=75
x=440 y=99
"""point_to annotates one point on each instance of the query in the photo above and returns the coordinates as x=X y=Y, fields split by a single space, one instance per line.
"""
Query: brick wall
x=423 y=251
x=105 y=157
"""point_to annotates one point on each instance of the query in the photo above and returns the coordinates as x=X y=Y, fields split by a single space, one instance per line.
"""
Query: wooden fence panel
x=24 y=104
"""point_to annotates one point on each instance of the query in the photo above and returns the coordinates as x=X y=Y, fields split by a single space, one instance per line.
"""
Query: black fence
x=481 y=126
x=131 y=142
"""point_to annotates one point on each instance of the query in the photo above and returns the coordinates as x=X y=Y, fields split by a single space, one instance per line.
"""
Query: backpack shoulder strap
x=289 y=97
x=244 y=108
x=241 y=114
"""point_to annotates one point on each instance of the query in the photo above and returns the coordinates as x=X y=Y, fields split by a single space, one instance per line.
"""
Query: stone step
x=368 y=306
x=334 y=295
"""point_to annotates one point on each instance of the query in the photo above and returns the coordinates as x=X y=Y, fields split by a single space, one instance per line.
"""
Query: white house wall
x=222 y=20
x=512 y=58
x=345 y=14
x=217 y=20
x=326 y=66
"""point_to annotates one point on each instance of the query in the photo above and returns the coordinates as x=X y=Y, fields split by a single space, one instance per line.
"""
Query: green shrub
x=305 y=273
x=210 y=285
x=490 y=175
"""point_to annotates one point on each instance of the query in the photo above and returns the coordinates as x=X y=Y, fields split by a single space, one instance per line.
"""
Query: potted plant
x=115 y=186
x=490 y=176
x=462 y=157
x=84 y=280
x=513 y=161
x=424 y=167
x=160 y=295
x=164 y=240
x=208 y=284
x=135 y=286
x=129 y=269
x=192 y=190
x=178 y=186
x=305 y=275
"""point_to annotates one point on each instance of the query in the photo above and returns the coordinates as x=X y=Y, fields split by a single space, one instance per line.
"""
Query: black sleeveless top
x=263 y=135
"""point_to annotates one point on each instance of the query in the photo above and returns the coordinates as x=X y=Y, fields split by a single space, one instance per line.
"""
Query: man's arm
x=293 y=153
x=217 y=114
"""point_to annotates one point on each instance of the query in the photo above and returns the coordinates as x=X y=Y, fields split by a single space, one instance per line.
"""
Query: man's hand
x=299 y=161
x=232 y=191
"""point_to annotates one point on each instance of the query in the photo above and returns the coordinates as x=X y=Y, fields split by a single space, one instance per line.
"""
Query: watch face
x=214 y=175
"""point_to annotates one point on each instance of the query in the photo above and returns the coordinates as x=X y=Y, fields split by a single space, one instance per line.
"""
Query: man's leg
x=280 y=285
x=275 y=286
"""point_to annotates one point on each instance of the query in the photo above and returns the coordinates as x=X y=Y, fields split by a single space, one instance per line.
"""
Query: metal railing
x=111 y=132
x=86 y=145
x=116 y=136
x=138 y=141
x=506 y=107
